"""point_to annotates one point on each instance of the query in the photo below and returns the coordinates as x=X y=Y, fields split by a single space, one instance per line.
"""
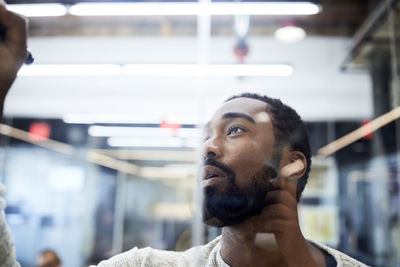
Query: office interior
x=99 y=143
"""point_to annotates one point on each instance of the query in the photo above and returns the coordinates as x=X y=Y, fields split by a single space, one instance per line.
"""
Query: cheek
x=249 y=160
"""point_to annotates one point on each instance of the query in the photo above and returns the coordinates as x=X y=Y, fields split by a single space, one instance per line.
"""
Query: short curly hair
x=289 y=130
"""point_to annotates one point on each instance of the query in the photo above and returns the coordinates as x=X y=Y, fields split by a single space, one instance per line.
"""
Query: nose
x=212 y=149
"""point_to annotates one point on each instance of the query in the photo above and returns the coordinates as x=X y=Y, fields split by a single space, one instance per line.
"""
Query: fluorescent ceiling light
x=70 y=70
x=38 y=10
x=290 y=34
x=179 y=8
x=156 y=70
x=153 y=142
x=206 y=70
x=127 y=118
x=143 y=131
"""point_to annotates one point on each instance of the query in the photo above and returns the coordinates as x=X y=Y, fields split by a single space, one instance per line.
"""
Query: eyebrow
x=233 y=115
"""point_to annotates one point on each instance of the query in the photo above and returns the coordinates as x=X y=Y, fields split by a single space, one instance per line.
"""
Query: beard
x=232 y=205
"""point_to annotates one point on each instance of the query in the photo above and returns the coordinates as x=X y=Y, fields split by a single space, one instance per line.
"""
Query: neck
x=241 y=246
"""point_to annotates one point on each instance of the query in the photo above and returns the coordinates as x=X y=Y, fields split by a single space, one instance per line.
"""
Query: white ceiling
x=318 y=90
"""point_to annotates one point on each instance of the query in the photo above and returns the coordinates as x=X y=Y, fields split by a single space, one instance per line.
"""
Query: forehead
x=249 y=106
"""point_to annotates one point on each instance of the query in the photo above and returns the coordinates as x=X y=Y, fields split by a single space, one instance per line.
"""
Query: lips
x=210 y=171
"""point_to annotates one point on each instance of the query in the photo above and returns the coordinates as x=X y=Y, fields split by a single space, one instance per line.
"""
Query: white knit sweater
x=201 y=256
x=7 y=249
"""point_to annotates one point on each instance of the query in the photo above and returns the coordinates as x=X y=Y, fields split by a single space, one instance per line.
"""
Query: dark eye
x=235 y=130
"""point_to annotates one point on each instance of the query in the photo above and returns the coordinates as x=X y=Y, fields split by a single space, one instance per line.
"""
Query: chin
x=233 y=205
x=225 y=218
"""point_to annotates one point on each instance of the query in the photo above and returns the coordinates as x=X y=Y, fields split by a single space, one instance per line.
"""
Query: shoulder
x=196 y=256
x=143 y=257
x=206 y=255
x=341 y=258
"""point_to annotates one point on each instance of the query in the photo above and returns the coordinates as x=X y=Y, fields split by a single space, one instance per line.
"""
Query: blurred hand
x=12 y=48
x=280 y=217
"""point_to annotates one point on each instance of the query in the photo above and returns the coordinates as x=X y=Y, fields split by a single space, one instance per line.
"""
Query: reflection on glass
x=142 y=154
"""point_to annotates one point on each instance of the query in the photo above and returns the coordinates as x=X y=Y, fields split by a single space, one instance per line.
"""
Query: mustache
x=229 y=172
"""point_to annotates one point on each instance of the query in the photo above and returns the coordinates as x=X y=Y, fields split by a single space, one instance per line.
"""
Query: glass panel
x=121 y=135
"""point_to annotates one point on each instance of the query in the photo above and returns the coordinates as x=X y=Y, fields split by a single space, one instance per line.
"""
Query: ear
x=293 y=165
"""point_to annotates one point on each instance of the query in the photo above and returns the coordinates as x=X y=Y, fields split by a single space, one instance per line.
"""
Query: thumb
x=15 y=27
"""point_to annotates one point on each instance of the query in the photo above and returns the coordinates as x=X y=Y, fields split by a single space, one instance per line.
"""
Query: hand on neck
x=241 y=245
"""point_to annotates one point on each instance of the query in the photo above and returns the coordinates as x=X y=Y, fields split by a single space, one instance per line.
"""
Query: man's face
x=238 y=152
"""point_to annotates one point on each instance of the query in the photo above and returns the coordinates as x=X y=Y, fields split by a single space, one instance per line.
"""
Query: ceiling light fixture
x=167 y=142
x=290 y=34
x=38 y=10
x=108 y=118
x=194 y=8
x=207 y=70
x=105 y=131
x=240 y=70
x=70 y=70
x=127 y=118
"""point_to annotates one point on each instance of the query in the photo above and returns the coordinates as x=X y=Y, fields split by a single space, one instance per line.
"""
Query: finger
x=15 y=27
x=282 y=197
x=285 y=184
x=278 y=211
x=292 y=168
x=275 y=226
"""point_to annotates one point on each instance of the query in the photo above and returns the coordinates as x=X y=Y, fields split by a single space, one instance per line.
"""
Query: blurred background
x=100 y=136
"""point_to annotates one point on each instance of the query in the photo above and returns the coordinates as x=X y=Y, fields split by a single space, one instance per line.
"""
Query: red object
x=241 y=52
x=173 y=126
x=39 y=131
x=290 y=23
x=369 y=134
